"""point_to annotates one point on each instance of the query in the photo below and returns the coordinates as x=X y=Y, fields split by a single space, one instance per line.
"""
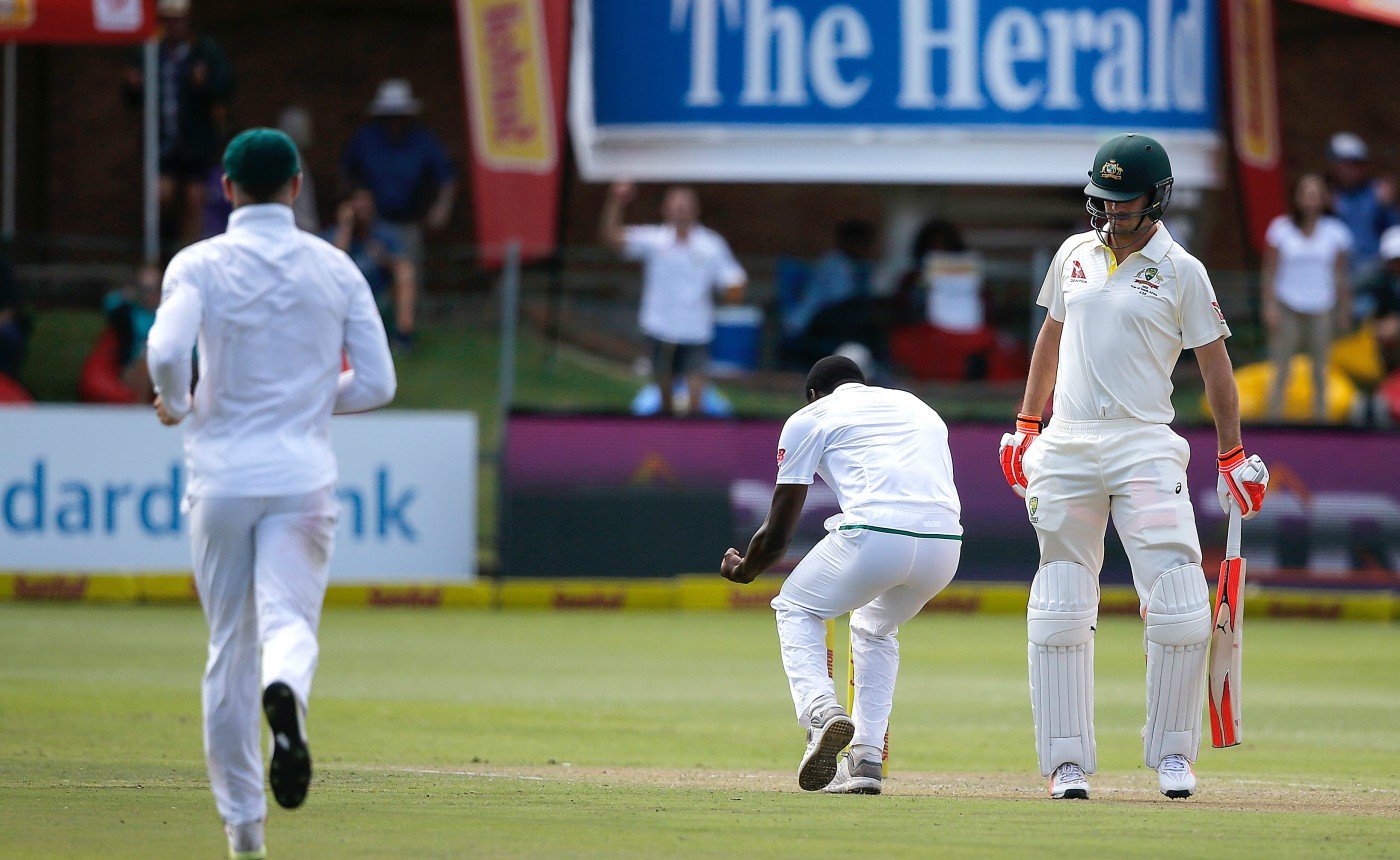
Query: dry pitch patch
x=1219 y=793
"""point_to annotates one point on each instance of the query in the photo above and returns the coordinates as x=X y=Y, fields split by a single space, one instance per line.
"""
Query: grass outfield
x=445 y=733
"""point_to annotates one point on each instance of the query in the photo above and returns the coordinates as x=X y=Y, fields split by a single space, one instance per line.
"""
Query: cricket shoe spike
x=829 y=731
x=1069 y=783
x=856 y=777
x=245 y=841
x=1176 y=778
x=290 y=771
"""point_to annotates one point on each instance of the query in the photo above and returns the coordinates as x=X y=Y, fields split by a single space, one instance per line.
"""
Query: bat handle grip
x=1232 y=533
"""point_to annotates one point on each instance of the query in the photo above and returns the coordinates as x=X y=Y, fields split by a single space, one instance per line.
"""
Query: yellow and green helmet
x=1128 y=166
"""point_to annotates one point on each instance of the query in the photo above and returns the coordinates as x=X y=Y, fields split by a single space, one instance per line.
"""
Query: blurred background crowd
x=669 y=298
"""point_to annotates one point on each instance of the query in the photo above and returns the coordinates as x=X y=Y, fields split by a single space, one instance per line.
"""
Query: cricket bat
x=1227 y=642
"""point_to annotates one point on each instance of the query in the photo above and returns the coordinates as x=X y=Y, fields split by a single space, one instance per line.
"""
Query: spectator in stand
x=836 y=305
x=296 y=123
x=15 y=324
x=683 y=265
x=1305 y=286
x=195 y=81
x=1364 y=203
x=404 y=166
x=1381 y=296
x=131 y=312
x=379 y=255
x=912 y=294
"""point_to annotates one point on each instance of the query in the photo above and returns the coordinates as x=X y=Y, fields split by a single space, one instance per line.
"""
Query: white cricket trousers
x=260 y=564
x=883 y=578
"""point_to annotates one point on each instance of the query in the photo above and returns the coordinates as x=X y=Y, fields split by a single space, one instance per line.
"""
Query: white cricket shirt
x=1125 y=325
x=680 y=278
x=1306 y=278
x=272 y=307
x=884 y=453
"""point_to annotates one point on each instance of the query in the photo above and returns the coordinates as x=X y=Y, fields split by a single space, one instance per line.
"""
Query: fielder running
x=272 y=309
x=1123 y=299
x=893 y=547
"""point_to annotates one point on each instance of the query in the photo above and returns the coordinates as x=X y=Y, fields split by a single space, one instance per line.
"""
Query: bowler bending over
x=892 y=548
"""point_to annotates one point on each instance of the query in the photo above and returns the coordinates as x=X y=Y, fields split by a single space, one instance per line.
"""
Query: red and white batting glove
x=1013 y=450
x=1243 y=482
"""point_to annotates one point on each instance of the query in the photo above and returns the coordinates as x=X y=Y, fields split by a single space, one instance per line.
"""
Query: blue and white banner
x=99 y=489
x=968 y=91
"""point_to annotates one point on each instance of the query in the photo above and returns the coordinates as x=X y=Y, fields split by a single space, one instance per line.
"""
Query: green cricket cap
x=1127 y=166
x=261 y=159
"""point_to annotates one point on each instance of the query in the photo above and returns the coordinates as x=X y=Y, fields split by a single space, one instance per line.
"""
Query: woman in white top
x=1305 y=283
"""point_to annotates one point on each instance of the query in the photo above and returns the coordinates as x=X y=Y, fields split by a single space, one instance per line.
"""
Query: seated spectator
x=943 y=332
x=1380 y=295
x=912 y=294
x=1363 y=202
x=15 y=324
x=115 y=370
x=842 y=273
x=383 y=261
x=405 y=166
x=835 y=305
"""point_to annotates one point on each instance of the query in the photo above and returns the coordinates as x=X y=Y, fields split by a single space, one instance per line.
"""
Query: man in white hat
x=406 y=167
x=1365 y=203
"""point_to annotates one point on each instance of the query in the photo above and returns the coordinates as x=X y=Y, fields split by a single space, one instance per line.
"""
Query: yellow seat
x=1255 y=380
x=1359 y=356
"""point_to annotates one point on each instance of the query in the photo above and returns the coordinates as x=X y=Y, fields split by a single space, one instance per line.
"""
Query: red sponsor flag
x=1252 y=72
x=77 y=22
x=514 y=65
x=1385 y=11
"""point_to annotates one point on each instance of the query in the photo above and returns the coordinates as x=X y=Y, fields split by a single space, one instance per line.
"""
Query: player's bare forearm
x=734 y=293
x=611 y=231
x=1221 y=392
x=770 y=543
x=1045 y=364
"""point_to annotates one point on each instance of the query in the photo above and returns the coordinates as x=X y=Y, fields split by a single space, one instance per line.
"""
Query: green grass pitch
x=445 y=734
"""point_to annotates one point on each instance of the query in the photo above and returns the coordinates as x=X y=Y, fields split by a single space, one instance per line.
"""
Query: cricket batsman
x=272 y=309
x=894 y=546
x=1123 y=300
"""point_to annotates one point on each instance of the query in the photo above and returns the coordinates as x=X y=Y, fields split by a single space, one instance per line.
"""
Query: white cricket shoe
x=857 y=777
x=1068 y=782
x=1176 y=778
x=245 y=841
x=829 y=730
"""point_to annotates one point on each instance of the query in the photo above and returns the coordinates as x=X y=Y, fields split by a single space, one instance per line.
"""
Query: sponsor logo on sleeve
x=782 y=455
x=1076 y=273
x=1218 y=312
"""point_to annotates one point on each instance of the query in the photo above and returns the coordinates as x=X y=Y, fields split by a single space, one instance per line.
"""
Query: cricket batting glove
x=1013 y=450
x=1243 y=482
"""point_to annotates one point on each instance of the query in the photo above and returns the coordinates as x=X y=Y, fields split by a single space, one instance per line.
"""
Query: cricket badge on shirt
x=1148 y=281
x=1076 y=274
x=782 y=455
x=1033 y=505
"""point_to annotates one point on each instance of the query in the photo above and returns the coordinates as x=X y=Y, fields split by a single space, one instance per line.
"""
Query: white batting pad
x=1060 y=619
x=1178 y=633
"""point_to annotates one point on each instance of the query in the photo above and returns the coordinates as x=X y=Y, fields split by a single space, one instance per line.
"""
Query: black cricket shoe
x=290 y=772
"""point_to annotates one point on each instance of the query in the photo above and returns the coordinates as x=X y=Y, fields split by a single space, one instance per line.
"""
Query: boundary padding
x=696 y=592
